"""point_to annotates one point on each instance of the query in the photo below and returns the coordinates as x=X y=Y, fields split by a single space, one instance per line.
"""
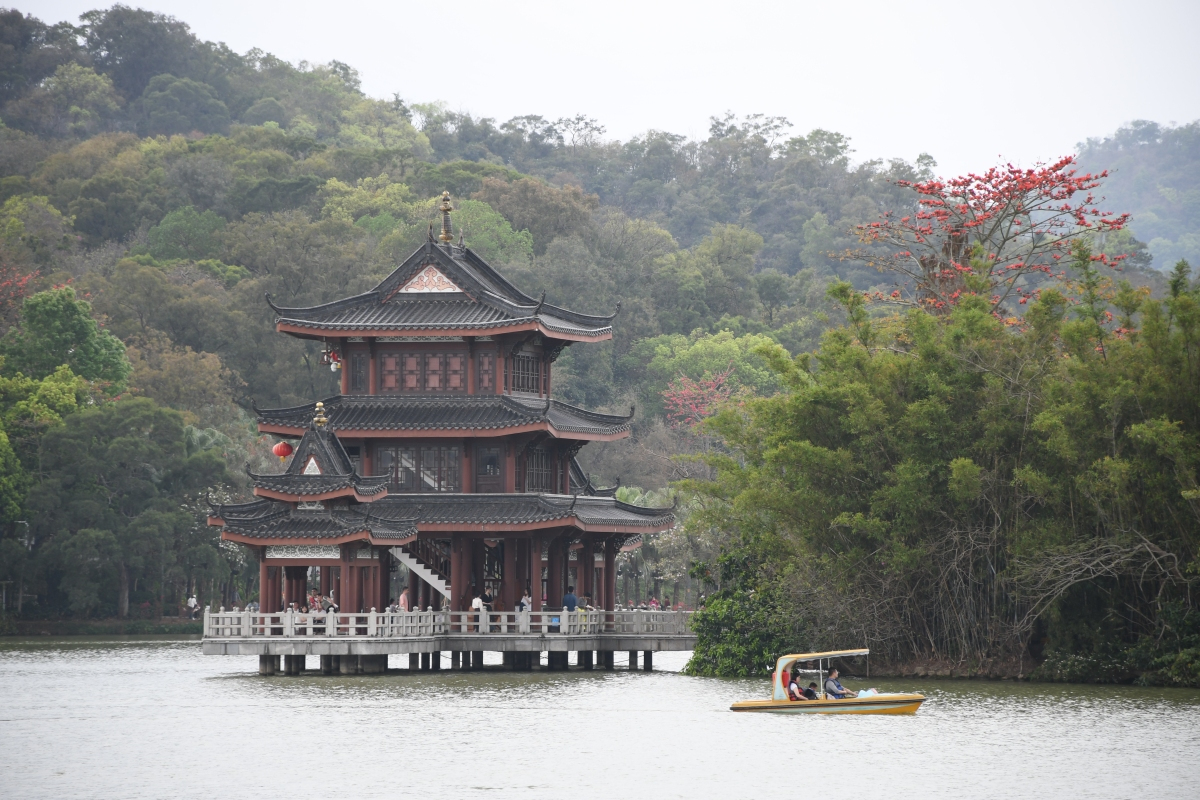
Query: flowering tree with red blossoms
x=1000 y=233
x=14 y=286
x=689 y=402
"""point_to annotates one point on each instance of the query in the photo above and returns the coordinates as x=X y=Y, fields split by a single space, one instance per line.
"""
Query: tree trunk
x=122 y=590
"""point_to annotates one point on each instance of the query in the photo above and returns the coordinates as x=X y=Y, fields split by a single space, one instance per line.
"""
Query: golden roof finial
x=320 y=419
x=446 y=208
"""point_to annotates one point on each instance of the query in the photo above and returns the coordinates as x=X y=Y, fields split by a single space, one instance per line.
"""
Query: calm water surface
x=130 y=718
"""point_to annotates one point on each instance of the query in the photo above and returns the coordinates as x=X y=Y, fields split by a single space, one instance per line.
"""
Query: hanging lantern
x=335 y=362
x=283 y=450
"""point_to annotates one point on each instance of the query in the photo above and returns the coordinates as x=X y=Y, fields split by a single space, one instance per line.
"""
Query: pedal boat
x=789 y=665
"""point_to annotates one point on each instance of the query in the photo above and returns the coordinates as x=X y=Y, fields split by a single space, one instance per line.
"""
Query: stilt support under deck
x=648 y=659
x=633 y=659
x=268 y=665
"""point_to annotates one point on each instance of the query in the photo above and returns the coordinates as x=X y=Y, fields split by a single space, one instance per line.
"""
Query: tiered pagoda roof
x=495 y=414
x=442 y=289
x=402 y=517
x=272 y=520
x=320 y=470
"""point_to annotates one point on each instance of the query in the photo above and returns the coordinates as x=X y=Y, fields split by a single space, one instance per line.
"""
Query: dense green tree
x=31 y=50
x=74 y=101
x=113 y=481
x=186 y=233
x=181 y=105
x=944 y=487
x=132 y=46
x=56 y=328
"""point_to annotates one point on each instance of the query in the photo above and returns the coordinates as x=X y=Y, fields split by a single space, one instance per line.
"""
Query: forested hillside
x=1155 y=175
x=840 y=421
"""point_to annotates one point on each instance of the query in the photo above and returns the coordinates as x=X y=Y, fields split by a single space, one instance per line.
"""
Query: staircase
x=418 y=565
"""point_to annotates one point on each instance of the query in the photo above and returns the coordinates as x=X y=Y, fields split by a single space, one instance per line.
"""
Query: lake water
x=155 y=719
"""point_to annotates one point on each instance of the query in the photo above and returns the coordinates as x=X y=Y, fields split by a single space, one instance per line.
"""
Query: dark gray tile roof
x=488 y=302
x=522 y=508
x=270 y=519
x=336 y=469
x=397 y=516
x=581 y=482
x=442 y=412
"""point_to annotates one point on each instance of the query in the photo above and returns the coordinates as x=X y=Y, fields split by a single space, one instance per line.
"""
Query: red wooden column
x=326 y=580
x=466 y=569
x=587 y=570
x=456 y=572
x=610 y=574
x=345 y=370
x=372 y=370
x=535 y=572
x=467 y=474
x=471 y=388
x=351 y=589
x=477 y=561
x=554 y=585
x=509 y=586
x=264 y=582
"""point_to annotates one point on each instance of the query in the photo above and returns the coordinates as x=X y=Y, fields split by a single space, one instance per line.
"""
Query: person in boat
x=834 y=689
x=810 y=691
x=794 y=691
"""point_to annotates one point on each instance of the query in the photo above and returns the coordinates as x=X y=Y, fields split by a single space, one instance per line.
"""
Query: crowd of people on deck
x=483 y=601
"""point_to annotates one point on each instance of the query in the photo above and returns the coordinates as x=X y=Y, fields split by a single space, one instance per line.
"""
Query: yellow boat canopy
x=830 y=654
x=779 y=691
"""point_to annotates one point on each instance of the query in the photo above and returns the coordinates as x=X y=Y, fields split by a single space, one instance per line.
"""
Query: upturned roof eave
x=305 y=329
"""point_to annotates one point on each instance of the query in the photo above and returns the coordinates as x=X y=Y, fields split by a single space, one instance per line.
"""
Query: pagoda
x=445 y=450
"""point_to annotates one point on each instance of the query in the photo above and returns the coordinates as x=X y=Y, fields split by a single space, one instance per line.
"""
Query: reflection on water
x=130 y=718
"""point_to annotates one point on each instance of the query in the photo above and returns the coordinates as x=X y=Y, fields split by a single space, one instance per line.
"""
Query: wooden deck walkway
x=384 y=633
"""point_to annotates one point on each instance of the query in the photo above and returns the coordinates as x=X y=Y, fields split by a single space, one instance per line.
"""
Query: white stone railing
x=224 y=624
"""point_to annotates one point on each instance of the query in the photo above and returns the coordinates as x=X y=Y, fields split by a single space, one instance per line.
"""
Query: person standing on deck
x=405 y=605
x=477 y=607
x=570 y=601
x=192 y=605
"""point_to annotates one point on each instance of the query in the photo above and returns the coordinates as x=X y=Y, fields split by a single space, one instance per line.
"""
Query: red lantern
x=283 y=450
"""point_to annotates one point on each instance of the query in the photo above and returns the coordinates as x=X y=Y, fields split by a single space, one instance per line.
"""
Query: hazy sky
x=970 y=83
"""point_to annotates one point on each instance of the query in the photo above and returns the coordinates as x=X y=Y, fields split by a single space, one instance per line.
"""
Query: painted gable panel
x=429 y=279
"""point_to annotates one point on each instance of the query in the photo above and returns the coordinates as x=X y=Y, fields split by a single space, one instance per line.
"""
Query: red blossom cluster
x=14 y=287
x=1009 y=226
x=689 y=402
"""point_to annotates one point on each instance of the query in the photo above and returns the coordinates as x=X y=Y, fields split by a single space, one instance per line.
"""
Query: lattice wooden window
x=485 y=377
x=538 y=475
x=439 y=469
x=389 y=373
x=359 y=371
x=412 y=372
x=456 y=372
x=489 y=470
x=400 y=465
x=526 y=375
x=435 y=372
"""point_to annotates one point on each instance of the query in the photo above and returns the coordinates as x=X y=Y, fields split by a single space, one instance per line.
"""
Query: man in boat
x=834 y=689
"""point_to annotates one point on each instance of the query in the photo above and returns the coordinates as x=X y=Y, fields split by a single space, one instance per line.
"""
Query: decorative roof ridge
x=275 y=509
x=597 y=416
x=547 y=500
x=333 y=305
